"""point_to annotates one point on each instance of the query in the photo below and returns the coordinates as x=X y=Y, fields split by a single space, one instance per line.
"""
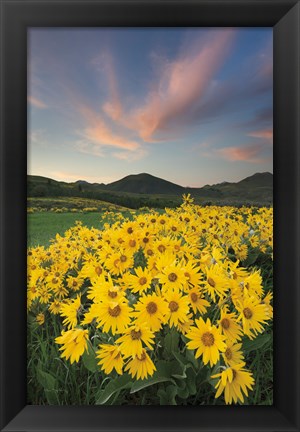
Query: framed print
x=146 y=147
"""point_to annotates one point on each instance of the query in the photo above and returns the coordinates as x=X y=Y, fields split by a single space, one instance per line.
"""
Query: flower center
x=150 y=252
x=123 y=258
x=187 y=275
x=162 y=221
x=151 y=308
x=130 y=230
x=145 y=240
x=161 y=248
x=172 y=277
x=211 y=282
x=247 y=313
x=135 y=335
x=115 y=311
x=228 y=354
x=98 y=270
x=132 y=243
x=142 y=357
x=225 y=323
x=208 y=339
x=54 y=281
x=173 y=306
x=143 y=280
x=194 y=297
x=112 y=294
x=74 y=284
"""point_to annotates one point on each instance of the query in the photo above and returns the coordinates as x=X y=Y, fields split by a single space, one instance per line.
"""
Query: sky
x=190 y=105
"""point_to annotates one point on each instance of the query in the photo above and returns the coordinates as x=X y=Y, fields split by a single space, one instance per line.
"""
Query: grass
x=41 y=227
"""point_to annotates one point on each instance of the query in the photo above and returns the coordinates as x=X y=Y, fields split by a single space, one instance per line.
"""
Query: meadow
x=169 y=307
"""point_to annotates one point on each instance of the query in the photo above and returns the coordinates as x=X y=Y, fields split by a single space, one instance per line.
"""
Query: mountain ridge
x=255 y=188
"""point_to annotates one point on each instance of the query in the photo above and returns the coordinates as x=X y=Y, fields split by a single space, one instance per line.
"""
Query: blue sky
x=190 y=105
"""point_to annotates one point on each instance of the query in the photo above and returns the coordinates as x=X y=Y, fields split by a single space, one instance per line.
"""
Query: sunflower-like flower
x=140 y=281
x=74 y=343
x=207 y=340
x=131 y=342
x=178 y=307
x=40 y=318
x=110 y=358
x=229 y=326
x=152 y=310
x=141 y=366
x=114 y=316
x=197 y=302
x=253 y=315
x=233 y=354
x=217 y=282
x=70 y=312
x=234 y=381
x=172 y=277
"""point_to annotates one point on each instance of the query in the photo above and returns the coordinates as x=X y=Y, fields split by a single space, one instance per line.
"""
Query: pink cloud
x=249 y=153
x=105 y=63
x=181 y=84
x=96 y=135
x=103 y=136
x=36 y=102
x=266 y=134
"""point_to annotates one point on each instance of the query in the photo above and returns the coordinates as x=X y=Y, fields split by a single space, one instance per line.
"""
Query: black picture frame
x=16 y=17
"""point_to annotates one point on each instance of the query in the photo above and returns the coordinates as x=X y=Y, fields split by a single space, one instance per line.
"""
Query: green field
x=41 y=227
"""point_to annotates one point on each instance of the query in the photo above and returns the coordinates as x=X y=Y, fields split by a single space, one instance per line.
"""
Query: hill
x=145 y=184
x=140 y=190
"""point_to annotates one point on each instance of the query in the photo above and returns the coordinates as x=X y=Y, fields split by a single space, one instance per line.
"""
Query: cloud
x=181 y=84
x=266 y=134
x=96 y=136
x=250 y=153
x=130 y=156
x=105 y=65
x=36 y=102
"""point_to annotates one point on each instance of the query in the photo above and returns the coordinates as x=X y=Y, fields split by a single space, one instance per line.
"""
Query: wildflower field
x=154 y=308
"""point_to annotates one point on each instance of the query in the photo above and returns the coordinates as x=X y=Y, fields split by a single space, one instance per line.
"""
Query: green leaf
x=216 y=370
x=47 y=381
x=52 y=397
x=191 y=358
x=120 y=383
x=168 y=396
x=183 y=392
x=191 y=381
x=141 y=384
x=257 y=343
x=163 y=373
x=170 y=341
x=89 y=360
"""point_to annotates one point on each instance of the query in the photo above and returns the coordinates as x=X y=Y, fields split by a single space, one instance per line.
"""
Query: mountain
x=145 y=184
x=147 y=190
x=257 y=180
